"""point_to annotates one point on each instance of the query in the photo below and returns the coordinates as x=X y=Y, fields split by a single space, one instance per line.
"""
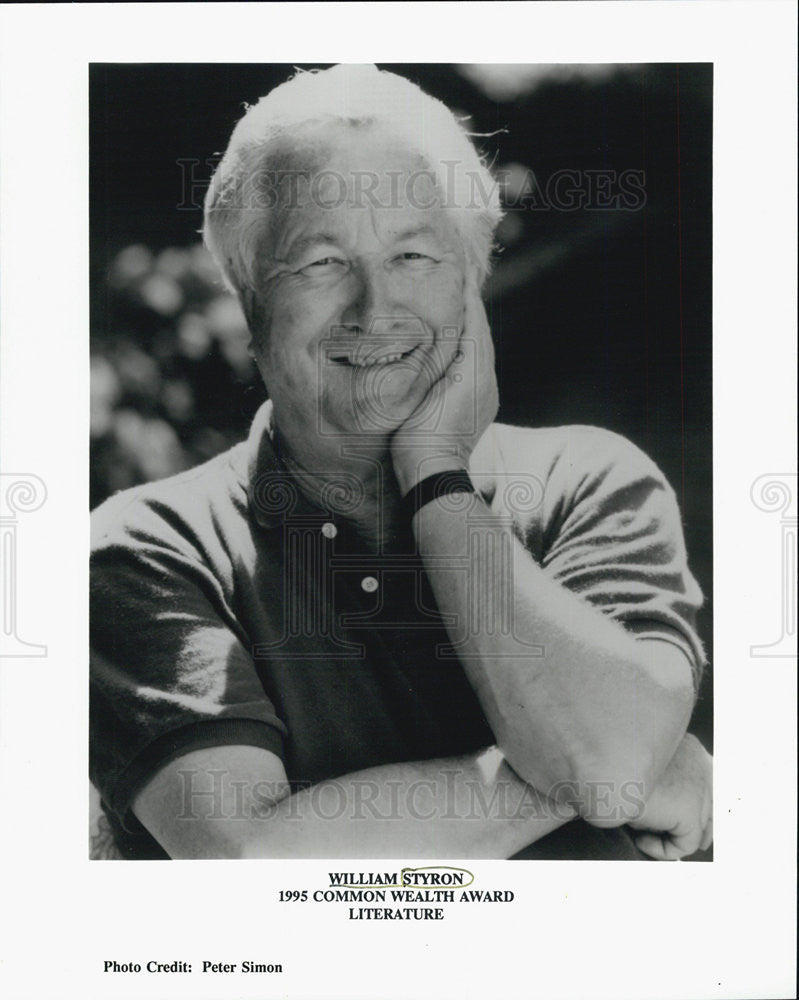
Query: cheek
x=440 y=299
x=296 y=325
x=298 y=332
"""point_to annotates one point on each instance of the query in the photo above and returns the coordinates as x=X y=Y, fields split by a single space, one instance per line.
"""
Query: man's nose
x=371 y=306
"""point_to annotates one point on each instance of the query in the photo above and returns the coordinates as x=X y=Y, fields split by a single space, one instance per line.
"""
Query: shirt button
x=369 y=584
x=329 y=530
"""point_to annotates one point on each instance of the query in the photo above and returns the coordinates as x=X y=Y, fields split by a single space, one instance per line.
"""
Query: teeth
x=370 y=362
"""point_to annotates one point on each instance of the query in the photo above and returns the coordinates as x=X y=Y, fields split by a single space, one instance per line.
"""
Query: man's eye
x=324 y=267
x=325 y=262
x=413 y=257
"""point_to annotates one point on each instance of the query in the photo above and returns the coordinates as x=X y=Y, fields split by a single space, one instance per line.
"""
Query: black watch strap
x=438 y=485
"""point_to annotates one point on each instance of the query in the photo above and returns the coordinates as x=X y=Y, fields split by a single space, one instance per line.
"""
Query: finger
x=475 y=321
x=465 y=363
x=707 y=810
x=707 y=804
x=686 y=843
x=441 y=357
x=653 y=845
x=674 y=851
x=476 y=344
x=673 y=844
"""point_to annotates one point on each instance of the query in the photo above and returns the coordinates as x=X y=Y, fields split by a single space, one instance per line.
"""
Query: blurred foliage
x=172 y=381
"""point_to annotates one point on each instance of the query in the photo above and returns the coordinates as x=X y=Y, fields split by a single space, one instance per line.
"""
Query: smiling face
x=360 y=287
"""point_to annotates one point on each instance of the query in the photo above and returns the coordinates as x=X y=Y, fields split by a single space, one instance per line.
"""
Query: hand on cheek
x=443 y=430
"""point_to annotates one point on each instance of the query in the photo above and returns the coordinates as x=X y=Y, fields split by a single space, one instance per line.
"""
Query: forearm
x=455 y=808
x=571 y=697
x=469 y=806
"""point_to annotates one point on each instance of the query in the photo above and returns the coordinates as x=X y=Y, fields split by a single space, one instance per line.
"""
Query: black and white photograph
x=392 y=473
x=398 y=500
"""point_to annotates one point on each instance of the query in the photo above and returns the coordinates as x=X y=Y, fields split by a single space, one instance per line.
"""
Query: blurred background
x=599 y=303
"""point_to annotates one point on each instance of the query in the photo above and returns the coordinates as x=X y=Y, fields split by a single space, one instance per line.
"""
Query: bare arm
x=234 y=802
x=598 y=706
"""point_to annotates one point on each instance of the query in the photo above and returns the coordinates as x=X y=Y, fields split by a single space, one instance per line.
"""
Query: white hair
x=237 y=203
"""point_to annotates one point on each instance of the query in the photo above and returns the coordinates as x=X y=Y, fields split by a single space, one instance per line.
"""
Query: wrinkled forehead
x=332 y=174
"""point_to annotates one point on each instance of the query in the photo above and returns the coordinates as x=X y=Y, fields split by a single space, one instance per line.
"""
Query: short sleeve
x=616 y=539
x=170 y=668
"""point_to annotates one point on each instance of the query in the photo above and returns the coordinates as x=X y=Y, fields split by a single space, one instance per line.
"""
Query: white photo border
x=579 y=929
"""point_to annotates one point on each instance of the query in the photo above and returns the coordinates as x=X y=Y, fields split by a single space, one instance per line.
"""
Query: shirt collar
x=270 y=491
x=273 y=493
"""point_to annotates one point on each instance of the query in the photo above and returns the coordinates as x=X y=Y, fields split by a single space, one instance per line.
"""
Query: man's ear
x=255 y=353
x=256 y=317
x=249 y=306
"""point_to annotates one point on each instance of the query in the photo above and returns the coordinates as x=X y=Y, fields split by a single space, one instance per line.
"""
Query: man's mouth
x=371 y=357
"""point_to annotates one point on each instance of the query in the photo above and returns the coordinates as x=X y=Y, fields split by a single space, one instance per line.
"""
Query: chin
x=373 y=406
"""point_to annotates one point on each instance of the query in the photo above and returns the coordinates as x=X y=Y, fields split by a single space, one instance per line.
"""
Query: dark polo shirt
x=226 y=609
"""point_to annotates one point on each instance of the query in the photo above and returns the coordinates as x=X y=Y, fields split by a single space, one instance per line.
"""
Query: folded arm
x=573 y=699
x=593 y=707
x=235 y=802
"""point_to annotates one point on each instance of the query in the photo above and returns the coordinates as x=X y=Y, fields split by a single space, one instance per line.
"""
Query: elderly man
x=385 y=625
